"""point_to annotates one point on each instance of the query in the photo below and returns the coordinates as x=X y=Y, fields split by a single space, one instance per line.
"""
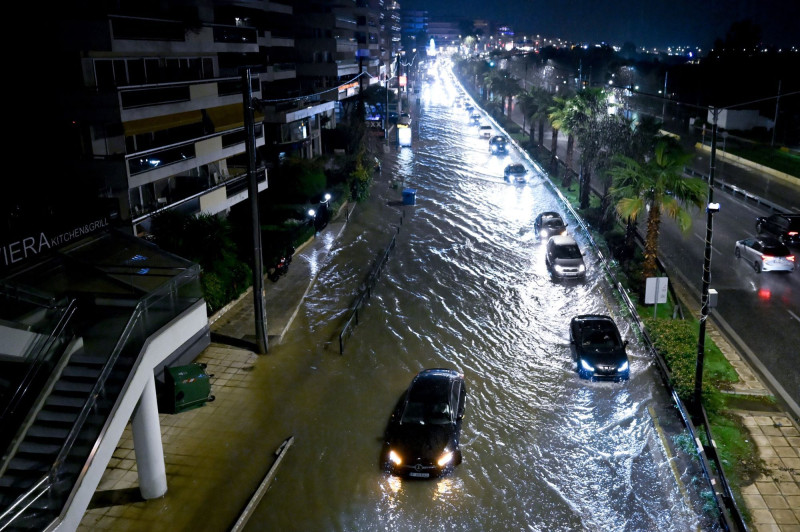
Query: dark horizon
x=678 y=23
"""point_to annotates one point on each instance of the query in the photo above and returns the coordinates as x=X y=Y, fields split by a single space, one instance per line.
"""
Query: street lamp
x=712 y=209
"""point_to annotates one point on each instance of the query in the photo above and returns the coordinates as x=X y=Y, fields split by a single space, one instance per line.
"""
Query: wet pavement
x=543 y=451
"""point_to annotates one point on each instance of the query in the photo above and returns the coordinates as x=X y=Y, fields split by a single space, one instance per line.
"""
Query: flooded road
x=466 y=287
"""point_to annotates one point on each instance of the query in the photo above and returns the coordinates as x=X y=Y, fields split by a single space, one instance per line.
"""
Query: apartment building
x=157 y=110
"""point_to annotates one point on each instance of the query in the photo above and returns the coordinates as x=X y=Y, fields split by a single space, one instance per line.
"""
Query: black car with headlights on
x=516 y=173
x=422 y=437
x=597 y=348
x=549 y=224
x=498 y=144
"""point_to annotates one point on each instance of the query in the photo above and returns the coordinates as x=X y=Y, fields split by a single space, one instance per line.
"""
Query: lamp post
x=711 y=209
x=252 y=191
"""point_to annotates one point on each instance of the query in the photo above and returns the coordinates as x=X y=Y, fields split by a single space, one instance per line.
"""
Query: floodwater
x=466 y=287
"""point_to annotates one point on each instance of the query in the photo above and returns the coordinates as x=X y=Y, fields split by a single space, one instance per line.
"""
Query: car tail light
x=766 y=257
x=790 y=257
x=793 y=233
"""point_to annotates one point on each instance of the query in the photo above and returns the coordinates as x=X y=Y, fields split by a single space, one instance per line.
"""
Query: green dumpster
x=186 y=387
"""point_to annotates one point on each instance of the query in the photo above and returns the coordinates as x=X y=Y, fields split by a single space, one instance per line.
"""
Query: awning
x=160 y=123
x=229 y=117
x=224 y=118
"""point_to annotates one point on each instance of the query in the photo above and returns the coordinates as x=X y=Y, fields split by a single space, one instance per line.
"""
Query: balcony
x=280 y=71
x=342 y=67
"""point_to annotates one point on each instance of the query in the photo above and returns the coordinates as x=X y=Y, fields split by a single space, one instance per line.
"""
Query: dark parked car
x=564 y=258
x=785 y=227
x=765 y=254
x=597 y=349
x=422 y=437
x=549 y=224
x=515 y=172
x=498 y=144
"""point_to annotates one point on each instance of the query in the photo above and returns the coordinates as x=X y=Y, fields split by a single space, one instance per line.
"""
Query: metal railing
x=730 y=515
x=737 y=191
x=138 y=327
x=365 y=290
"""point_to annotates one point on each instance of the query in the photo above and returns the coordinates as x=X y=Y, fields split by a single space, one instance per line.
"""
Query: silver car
x=564 y=258
x=765 y=254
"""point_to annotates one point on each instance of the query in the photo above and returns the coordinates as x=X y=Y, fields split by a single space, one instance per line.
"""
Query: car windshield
x=516 y=168
x=600 y=338
x=569 y=251
x=426 y=413
x=428 y=403
x=552 y=222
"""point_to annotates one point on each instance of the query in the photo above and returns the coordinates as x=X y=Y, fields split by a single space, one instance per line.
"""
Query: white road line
x=703 y=240
x=795 y=316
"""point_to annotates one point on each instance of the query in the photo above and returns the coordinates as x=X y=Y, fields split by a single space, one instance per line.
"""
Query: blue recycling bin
x=409 y=196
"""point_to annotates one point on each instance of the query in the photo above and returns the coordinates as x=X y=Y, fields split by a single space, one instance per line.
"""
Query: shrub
x=676 y=341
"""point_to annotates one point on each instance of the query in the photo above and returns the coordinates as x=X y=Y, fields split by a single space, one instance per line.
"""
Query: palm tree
x=507 y=87
x=584 y=111
x=657 y=186
x=561 y=117
x=544 y=101
x=528 y=105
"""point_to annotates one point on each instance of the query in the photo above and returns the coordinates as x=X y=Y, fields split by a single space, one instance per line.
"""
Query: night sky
x=649 y=23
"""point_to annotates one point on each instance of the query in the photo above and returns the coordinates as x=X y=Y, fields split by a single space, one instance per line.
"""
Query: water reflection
x=466 y=288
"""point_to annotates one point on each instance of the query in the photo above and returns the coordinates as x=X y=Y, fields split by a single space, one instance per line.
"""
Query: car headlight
x=395 y=458
x=624 y=366
x=586 y=366
x=559 y=269
x=543 y=233
x=582 y=268
x=445 y=459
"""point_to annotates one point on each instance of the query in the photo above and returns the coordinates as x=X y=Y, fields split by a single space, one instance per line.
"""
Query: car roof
x=433 y=383
x=590 y=320
x=550 y=214
x=563 y=240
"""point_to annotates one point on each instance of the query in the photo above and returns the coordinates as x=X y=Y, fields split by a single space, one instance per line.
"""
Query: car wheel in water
x=737 y=253
x=757 y=267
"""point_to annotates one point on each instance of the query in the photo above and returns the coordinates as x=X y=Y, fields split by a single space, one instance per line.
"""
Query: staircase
x=59 y=439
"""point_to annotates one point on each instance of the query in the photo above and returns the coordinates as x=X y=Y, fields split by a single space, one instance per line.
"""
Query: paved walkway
x=774 y=499
x=200 y=444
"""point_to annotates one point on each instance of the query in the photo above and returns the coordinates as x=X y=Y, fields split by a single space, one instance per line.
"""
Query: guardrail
x=736 y=191
x=365 y=290
x=730 y=515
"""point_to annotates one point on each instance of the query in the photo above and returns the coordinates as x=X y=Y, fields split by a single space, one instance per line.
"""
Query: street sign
x=655 y=291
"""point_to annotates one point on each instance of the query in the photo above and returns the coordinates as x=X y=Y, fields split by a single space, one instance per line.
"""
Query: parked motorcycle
x=282 y=266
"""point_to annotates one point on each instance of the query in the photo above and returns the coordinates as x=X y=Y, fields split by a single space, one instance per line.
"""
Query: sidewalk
x=202 y=446
x=773 y=500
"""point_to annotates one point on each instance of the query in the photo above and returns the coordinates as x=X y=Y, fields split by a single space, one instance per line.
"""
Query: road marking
x=795 y=316
x=703 y=240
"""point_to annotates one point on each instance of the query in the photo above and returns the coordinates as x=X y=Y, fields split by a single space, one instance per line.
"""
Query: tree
x=528 y=105
x=544 y=101
x=562 y=119
x=581 y=115
x=656 y=186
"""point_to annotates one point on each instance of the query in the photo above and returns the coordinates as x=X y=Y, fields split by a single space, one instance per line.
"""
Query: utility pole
x=711 y=209
x=775 y=122
x=664 y=102
x=252 y=192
